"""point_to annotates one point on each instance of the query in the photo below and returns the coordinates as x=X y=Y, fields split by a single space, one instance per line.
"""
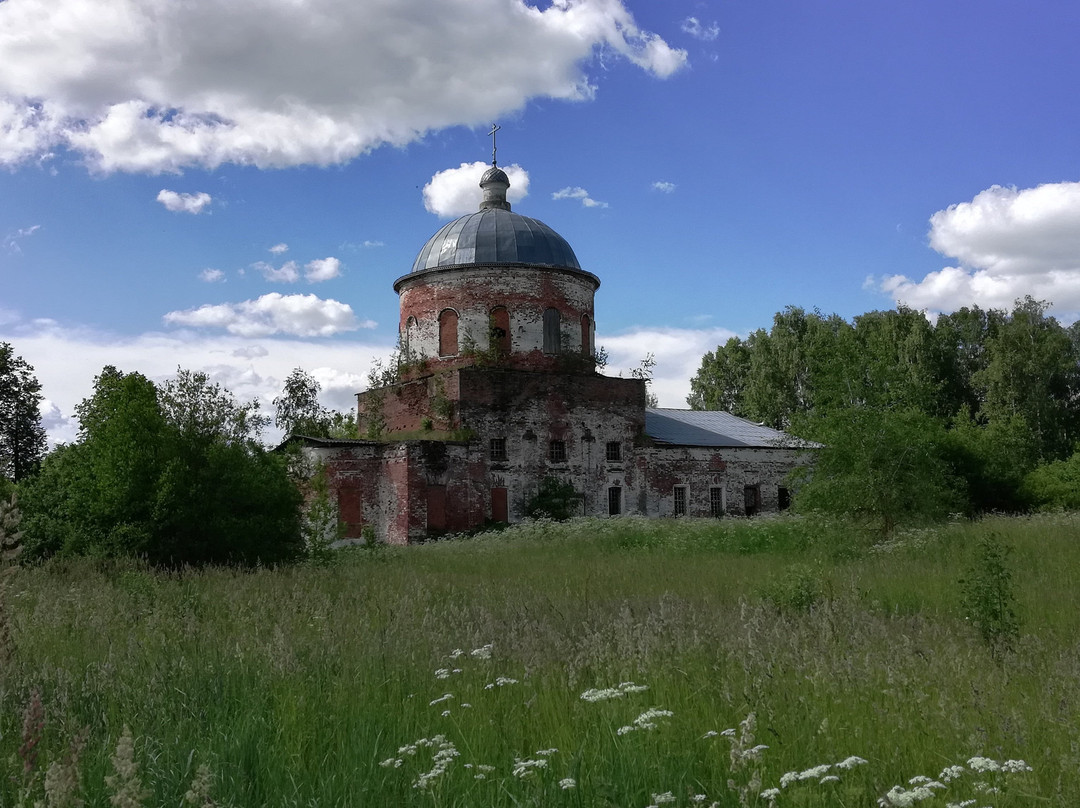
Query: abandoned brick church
x=498 y=389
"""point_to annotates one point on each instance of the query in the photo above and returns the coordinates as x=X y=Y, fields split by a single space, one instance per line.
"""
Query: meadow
x=768 y=662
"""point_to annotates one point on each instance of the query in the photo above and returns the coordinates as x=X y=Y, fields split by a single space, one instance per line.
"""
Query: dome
x=495 y=236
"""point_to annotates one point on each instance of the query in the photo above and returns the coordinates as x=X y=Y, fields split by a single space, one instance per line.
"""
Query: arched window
x=500 y=330
x=586 y=335
x=448 y=341
x=552 y=335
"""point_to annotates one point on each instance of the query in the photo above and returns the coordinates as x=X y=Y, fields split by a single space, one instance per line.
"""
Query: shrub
x=988 y=594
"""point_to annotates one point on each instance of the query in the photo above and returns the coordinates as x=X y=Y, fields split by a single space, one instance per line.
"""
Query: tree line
x=977 y=411
x=173 y=472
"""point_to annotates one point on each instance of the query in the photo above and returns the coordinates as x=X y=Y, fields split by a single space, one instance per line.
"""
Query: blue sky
x=235 y=187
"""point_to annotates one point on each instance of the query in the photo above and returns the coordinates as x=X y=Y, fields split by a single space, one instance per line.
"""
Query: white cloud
x=274 y=313
x=456 y=191
x=278 y=249
x=664 y=187
x=212 y=276
x=153 y=86
x=289 y=272
x=65 y=361
x=579 y=193
x=183 y=203
x=1009 y=243
x=678 y=353
x=706 y=33
x=11 y=240
x=322 y=269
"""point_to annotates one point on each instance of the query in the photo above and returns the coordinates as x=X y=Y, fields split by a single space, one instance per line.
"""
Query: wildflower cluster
x=923 y=788
x=444 y=754
x=647 y=720
x=817 y=774
x=604 y=694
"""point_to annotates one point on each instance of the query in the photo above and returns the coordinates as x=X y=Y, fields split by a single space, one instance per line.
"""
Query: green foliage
x=878 y=465
x=22 y=438
x=176 y=476
x=1054 y=485
x=797 y=589
x=555 y=499
x=989 y=596
x=297 y=411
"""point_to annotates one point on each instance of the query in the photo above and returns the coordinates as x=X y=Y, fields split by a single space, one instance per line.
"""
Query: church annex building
x=498 y=389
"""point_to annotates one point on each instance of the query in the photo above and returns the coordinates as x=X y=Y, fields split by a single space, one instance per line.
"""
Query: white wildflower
x=391 y=763
x=698 y=798
x=712 y=733
x=986 y=788
x=442 y=673
x=567 y=783
x=814 y=773
x=625 y=730
x=483 y=652
x=630 y=687
x=457 y=652
x=729 y=733
x=950 y=773
x=984 y=764
x=661 y=799
x=441 y=699
x=445 y=713
x=918 y=778
x=465 y=705
x=963 y=804
x=485 y=768
x=770 y=794
x=788 y=778
x=1013 y=766
x=851 y=762
x=546 y=752
x=830 y=778
x=489 y=686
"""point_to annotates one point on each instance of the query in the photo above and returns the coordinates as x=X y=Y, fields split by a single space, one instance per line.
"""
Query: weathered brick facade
x=498 y=390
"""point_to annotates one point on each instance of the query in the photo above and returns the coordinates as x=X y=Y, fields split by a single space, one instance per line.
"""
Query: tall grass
x=347 y=684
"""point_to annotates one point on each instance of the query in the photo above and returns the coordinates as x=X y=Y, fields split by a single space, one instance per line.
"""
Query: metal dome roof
x=495 y=236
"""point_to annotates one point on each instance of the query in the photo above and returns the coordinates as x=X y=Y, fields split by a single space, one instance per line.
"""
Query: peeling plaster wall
x=474 y=291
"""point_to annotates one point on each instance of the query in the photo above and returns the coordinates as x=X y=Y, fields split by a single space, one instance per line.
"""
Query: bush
x=988 y=595
x=554 y=500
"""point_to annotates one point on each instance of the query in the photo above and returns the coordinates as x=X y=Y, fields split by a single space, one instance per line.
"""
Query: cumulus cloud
x=456 y=191
x=289 y=272
x=706 y=33
x=297 y=315
x=664 y=187
x=155 y=86
x=1009 y=243
x=183 y=203
x=11 y=240
x=212 y=276
x=677 y=351
x=322 y=269
x=278 y=249
x=579 y=193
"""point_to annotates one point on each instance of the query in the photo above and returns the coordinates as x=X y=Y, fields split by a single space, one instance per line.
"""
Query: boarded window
x=716 y=501
x=448 y=341
x=586 y=335
x=752 y=499
x=552 y=331
x=557 y=451
x=614 y=500
x=498 y=449
x=680 y=500
x=499 y=510
x=436 y=507
x=614 y=451
x=500 y=330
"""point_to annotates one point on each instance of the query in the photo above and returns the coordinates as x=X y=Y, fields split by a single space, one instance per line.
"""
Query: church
x=496 y=389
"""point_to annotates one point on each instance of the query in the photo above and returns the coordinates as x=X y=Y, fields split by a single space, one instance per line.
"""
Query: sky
x=234 y=187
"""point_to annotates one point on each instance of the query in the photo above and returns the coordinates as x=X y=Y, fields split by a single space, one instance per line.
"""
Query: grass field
x=593 y=663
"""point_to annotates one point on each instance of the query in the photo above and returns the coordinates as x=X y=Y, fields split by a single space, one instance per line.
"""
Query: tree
x=297 y=410
x=879 y=465
x=175 y=475
x=22 y=438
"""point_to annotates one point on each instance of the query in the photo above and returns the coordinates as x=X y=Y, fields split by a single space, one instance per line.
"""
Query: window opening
x=752 y=499
x=552 y=331
x=500 y=330
x=614 y=500
x=783 y=498
x=716 y=501
x=448 y=336
x=680 y=500
x=498 y=449
x=557 y=451
x=614 y=451
x=586 y=335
